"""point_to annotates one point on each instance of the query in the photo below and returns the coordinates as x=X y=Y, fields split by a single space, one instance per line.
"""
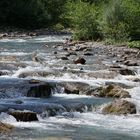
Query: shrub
x=134 y=44
x=122 y=20
x=83 y=18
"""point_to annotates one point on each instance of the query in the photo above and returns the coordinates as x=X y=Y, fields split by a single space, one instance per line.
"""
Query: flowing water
x=29 y=58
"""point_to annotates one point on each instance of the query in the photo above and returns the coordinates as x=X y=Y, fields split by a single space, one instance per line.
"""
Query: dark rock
x=5 y=128
x=40 y=91
x=3 y=73
x=18 y=102
x=24 y=116
x=55 y=52
x=80 y=60
x=88 y=53
x=126 y=72
x=120 y=107
x=64 y=58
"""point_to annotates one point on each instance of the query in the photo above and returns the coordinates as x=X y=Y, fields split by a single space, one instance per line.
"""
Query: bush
x=134 y=44
x=83 y=18
x=122 y=20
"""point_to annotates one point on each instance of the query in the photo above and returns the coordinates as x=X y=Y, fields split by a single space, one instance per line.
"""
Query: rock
x=71 y=53
x=130 y=63
x=4 y=128
x=126 y=72
x=74 y=87
x=110 y=91
x=80 y=60
x=24 y=116
x=18 y=102
x=34 y=81
x=3 y=73
x=120 y=107
x=55 y=52
x=40 y=91
x=64 y=58
x=88 y=53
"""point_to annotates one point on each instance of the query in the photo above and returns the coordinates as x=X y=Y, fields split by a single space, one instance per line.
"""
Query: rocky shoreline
x=14 y=33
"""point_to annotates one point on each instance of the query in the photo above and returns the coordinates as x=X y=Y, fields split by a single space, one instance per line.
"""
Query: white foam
x=13 y=40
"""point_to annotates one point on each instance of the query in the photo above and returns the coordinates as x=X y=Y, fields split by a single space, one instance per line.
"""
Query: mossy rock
x=120 y=107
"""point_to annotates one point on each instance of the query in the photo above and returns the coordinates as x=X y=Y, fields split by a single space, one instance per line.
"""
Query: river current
x=17 y=61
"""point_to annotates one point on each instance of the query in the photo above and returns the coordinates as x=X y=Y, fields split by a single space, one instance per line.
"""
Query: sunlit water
x=90 y=125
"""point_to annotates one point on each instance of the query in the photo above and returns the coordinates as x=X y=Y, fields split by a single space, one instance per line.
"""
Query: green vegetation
x=134 y=44
x=111 y=20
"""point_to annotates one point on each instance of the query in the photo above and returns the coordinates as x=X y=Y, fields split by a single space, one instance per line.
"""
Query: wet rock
x=40 y=91
x=126 y=72
x=18 y=102
x=130 y=63
x=5 y=128
x=75 y=107
x=110 y=91
x=55 y=52
x=4 y=73
x=120 y=107
x=80 y=60
x=74 y=87
x=24 y=116
x=34 y=81
x=8 y=58
x=64 y=58
x=88 y=54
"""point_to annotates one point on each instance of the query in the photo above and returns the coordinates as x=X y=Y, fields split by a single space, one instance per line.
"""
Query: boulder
x=110 y=91
x=40 y=91
x=120 y=107
x=130 y=63
x=4 y=128
x=24 y=116
x=74 y=87
x=126 y=72
x=80 y=60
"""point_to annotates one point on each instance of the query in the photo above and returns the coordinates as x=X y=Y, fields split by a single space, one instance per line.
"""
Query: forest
x=110 y=20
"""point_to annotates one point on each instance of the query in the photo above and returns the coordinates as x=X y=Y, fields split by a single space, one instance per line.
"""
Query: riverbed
x=48 y=59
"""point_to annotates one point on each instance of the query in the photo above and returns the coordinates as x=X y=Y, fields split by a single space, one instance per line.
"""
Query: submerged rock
x=4 y=128
x=119 y=107
x=24 y=116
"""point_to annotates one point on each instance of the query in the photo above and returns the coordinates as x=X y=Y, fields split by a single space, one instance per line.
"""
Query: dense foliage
x=117 y=20
x=30 y=13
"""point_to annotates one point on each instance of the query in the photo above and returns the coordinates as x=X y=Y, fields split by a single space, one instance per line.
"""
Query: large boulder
x=110 y=91
x=40 y=91
x=4 y=128
x=120 y=107
x=74 y=87
x=24 y=116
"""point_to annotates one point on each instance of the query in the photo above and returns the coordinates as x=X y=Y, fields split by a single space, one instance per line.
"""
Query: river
x=28 y=58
